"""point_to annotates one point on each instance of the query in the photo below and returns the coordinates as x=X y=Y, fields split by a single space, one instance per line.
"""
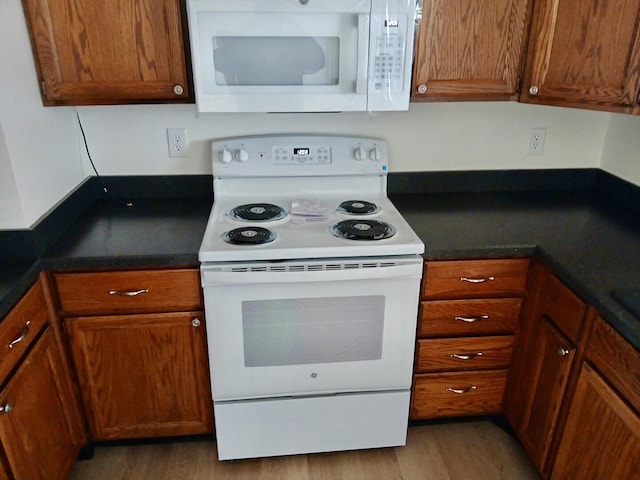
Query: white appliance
x=302 y=55
x=311 y=281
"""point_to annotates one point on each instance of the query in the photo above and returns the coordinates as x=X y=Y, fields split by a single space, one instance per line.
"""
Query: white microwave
x=302 y=55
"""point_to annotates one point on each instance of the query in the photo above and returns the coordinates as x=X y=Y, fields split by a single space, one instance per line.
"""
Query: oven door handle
x=212 y=276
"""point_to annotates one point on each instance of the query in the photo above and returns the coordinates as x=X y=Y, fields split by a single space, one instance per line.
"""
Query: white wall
x=131 y=140
x=11 y=216
x=621 y=153
x=41 y=143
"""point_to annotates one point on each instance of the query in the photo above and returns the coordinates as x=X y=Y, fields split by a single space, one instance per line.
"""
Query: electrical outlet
x=177 y=141
x=537 y=137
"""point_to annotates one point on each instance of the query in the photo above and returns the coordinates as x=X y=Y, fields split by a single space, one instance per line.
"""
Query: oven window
x=312 y=330
x=276 y=61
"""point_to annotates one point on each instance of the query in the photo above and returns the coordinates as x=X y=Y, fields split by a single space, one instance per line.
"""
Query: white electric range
x=311 y=281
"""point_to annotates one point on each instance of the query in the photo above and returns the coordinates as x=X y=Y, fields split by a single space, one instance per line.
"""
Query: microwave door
x=310 y=64
x=275 y=61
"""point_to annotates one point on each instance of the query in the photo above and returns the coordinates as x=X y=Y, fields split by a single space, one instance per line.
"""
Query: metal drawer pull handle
x=133 y=293
x=477 y=280
x=563 y=351
x=23 y=335
x=465 y=356
x=471 y=319
x=460 y=391
x=8 y=408
x=195 y=322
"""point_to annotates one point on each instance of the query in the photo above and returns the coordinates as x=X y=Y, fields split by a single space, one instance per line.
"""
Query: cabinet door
x=468 y=50
x=601 y=438
x=584 y=53
x=143 y=375
x=550 y=364
x=122 y=51
x=36 y=423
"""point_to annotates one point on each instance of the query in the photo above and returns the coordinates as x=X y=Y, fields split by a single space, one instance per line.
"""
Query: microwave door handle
x=363 y=54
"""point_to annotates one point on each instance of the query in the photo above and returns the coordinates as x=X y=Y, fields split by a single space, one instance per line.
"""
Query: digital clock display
x=301 y=151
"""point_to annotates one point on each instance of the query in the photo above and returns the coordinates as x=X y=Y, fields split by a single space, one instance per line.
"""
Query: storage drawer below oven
x=457 y=394
x=288 y=426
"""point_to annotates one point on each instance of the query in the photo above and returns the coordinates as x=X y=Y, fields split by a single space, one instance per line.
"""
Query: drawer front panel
x=475 y=278
x=440 y=395
x=129 y=291
x=564 y=308
x=617 y=359
x=451 y=318
x=452 y=354
x=20 y=328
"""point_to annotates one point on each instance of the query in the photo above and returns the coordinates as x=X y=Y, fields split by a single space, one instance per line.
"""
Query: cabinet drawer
x=457 y=394
x=20 y=327
x=451 y=318
x=135 y=291
x=475 y=278
x=617 y=359
x=563 y=307
x=451 y=354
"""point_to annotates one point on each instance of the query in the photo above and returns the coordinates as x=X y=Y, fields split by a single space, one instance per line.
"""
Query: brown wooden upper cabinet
x=124 y=51
x=584 y=53
x=470 y=50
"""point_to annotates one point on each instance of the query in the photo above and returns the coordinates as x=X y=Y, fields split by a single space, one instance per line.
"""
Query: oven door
x=280 y=55
x=310 y=328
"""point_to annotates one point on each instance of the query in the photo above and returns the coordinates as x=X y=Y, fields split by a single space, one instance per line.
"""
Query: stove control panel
x=293 y=155
x=309 y=154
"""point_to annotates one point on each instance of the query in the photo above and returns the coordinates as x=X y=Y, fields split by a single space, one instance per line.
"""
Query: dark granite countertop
x=137 y=233
x=592 y=245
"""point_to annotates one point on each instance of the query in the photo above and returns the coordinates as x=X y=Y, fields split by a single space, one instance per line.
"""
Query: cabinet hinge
x=43 y=89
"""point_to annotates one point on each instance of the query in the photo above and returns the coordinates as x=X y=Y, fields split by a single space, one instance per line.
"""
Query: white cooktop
x=316 y=173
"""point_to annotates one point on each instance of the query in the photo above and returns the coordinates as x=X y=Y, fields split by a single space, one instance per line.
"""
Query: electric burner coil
x=249 y=236
x=257 y=212
x=358 y=207
x=363 y=230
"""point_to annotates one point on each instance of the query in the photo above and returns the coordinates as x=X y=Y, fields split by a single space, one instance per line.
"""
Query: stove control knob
x=375 y=154
x=225 y=156
x=360 y=153
x=242 y=155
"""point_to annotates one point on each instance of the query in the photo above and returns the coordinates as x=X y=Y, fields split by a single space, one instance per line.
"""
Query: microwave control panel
x=387 y=71
x=391 y=37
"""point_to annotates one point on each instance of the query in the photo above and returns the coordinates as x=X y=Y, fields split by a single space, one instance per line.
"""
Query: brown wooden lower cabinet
x=547 y=350
x=37 y=433
x=601 y=438
x=143 y=375
x=549 y=373
x=456 y=394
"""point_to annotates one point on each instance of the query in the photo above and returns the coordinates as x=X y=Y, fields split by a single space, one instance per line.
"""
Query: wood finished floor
x=451 y=451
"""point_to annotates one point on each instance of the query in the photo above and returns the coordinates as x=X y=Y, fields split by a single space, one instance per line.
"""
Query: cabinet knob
x=178 y=89
x=563 y=352
x=422 y=88
x=8 y=408
x=195 y=322
x=533 y=90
